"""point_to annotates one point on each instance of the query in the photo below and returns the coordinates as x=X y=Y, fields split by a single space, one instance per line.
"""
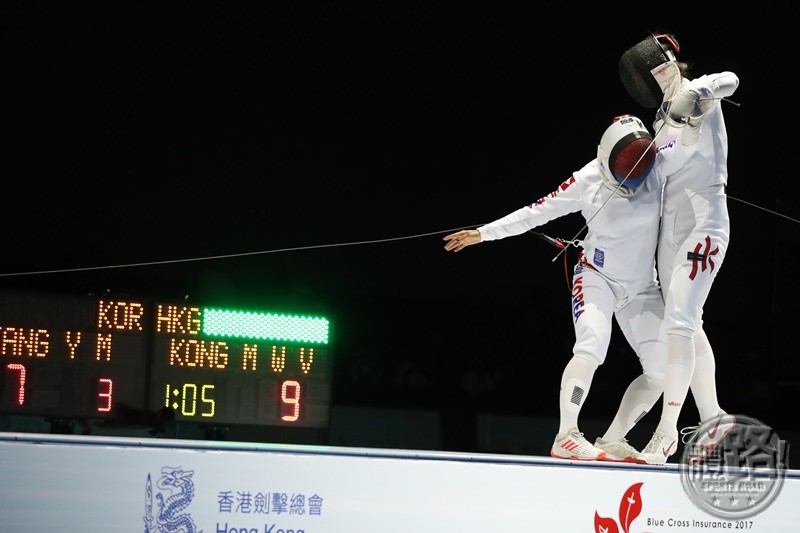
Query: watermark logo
x=733 y=466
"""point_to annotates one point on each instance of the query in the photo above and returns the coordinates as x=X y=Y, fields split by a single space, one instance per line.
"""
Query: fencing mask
x=637 y=66
x=626 y=153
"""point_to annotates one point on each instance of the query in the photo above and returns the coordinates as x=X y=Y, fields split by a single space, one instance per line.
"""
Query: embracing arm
x=694 y=100
x=697 y=96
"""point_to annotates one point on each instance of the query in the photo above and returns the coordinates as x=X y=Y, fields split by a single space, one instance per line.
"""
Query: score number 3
x=105 y=388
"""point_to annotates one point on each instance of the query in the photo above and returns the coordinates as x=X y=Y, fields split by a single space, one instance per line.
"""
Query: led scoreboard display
x=71 y=357
x=85 y=357
x=213 y=365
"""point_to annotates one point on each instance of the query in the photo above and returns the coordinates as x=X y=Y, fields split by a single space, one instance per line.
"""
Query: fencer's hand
x=455 y=242
x=689 y=106
x=682 y=107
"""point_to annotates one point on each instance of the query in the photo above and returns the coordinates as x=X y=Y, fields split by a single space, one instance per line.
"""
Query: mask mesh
x=634 y=71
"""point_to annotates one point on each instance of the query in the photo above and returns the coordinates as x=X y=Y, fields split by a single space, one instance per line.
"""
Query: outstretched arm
x=567 y=198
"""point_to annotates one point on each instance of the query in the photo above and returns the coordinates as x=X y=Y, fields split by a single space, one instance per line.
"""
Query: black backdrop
x=313 y=154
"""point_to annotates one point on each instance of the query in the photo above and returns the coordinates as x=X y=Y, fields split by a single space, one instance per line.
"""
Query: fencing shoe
x=618 y=451
x=660 y=448
x=701 y=440
x=573 y=445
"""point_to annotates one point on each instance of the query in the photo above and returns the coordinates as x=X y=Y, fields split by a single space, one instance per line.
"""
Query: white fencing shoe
x=660 y=448
x=573 y=445
x=701 y=440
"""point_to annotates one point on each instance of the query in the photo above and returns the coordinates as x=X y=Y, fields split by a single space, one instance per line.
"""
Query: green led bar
x=271 y=326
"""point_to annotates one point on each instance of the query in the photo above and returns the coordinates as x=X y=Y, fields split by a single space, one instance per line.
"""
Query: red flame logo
x=629 y=508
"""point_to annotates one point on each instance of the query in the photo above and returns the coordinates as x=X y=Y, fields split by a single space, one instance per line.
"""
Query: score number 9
x=290 y=400
x=290 y=393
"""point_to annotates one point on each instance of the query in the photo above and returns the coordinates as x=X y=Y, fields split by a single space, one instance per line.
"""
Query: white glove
x=688 y=106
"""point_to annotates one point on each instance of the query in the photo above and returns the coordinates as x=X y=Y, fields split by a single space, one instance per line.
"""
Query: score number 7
x=105 y=392
x=16 y=367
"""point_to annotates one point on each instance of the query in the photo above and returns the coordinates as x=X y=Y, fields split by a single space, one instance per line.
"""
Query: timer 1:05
x=192 y=400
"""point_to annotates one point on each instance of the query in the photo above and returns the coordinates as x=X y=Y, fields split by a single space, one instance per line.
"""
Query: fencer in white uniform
x=619 y=196
x=695 y=227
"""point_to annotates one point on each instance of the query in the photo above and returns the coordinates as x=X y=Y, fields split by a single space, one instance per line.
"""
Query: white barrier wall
x=87 y=484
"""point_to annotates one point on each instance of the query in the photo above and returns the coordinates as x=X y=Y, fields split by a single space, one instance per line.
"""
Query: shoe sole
x=600 y=457
x=632 y=460
x=658 y=459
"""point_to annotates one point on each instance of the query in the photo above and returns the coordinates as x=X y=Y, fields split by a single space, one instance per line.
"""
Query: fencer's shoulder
x=588 y=178
x=590 y=169
x=588 y=174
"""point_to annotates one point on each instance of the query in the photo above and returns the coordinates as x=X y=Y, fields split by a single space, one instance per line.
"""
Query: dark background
x=311 y=156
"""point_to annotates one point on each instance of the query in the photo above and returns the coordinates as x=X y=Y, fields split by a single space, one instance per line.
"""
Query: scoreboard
x=89 y=357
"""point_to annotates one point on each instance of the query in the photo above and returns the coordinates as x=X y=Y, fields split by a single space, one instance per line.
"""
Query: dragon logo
x=178 y=485
x=629 y=508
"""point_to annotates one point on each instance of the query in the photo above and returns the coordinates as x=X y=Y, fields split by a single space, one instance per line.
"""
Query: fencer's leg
x=704 y=390
x=575 y=382
x=595 y=298
x=640 y=396
x=641 y=320
x=704 y=383
x=680 y=366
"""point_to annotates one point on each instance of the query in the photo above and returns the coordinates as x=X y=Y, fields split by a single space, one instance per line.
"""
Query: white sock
x=704 y=381
x=575 y=383
x=680 y=366
x=639 y=398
